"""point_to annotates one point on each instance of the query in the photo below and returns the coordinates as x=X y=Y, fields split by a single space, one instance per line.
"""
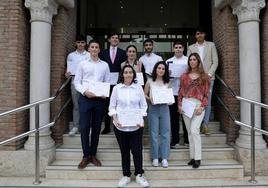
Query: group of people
x=130 y=102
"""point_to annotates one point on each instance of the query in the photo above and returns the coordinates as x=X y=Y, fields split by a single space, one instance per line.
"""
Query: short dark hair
x=112 y=34
x=93 y=41
x=165 y=76
x=148 y=40
x=177 y=42
x=200 y=29
x=80 y=38
x=121 y=75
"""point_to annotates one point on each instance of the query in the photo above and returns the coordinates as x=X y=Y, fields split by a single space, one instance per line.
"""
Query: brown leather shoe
x=95 y=161
x=83 y=164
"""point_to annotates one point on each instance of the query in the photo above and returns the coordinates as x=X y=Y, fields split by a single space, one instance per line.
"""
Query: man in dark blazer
x=114 y=56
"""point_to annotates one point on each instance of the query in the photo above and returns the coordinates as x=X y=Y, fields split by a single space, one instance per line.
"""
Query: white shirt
x=149 y=60
x=201 y=48
x=127 y=97
x=111 y=51
x=90 y=71
x=77 y=57
x=176 y=81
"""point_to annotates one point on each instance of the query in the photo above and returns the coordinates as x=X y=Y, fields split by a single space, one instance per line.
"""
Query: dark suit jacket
x=119 y=58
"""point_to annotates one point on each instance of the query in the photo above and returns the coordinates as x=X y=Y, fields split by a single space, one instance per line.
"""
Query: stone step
x=206 y=170
x=110 y=140
x=172 y=163
x=181 y=146
x=18 y=182
x=208 y=153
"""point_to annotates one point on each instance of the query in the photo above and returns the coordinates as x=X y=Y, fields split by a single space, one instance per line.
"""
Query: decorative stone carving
x=42 y=10
x=247 y=10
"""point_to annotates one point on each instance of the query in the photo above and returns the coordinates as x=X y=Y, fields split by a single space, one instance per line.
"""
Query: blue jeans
x=208 y=107
x=159 y=125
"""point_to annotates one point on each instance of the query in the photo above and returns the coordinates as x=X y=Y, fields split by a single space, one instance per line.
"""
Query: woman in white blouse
x=127 y=100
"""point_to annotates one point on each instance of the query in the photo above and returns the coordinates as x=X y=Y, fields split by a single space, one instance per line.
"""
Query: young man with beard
x=209 y=57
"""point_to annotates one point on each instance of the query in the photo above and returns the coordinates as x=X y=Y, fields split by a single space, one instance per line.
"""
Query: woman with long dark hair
x=127 y=96
x=194 y=88
x=158 y=115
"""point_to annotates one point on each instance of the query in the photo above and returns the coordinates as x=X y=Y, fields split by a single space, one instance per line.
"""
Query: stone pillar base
x=22 y=162
x=261 y=163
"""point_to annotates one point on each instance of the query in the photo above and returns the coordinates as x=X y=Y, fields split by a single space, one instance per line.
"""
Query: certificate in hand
x=72 y=67
x=114 y=78
x=129 y=117
x=140 y=78
x=162 y=95
x=99 y=88
x=177 y=69
x=188 y=107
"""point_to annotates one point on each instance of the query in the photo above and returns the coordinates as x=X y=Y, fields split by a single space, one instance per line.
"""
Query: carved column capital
x=41 y=10
x=247 y=10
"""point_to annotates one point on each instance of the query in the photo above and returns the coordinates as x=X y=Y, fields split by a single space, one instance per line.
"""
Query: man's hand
x=199 y=110
x=89 y=94
x=67 y=74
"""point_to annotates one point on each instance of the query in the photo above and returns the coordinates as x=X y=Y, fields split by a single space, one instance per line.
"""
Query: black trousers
x=175 y=123
x=130 y=141
x=107 y=118
x=91 y=114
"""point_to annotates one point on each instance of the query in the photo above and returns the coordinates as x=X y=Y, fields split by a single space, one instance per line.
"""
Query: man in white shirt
x=91 y=107
x=208 y=53
x=179 y=61
x=73 y=60
x=149 y=59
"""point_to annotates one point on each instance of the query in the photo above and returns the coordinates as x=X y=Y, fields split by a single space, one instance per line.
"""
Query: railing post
x=37 y=157
x=252 y=122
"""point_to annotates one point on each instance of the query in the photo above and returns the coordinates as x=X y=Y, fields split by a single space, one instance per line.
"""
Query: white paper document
x=162 y=95
x=177 y=69
x=188 y=107
x=99 y=88
x=72 y=67
x=140 y=78
x=129 y=117
x=114 y=78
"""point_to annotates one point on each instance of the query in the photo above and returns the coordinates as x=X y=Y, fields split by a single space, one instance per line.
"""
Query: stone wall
x=14 y=69
x=225 y=36
x=63 y=38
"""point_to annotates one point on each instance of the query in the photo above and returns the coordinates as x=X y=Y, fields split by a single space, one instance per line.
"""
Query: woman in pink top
x=194 y=90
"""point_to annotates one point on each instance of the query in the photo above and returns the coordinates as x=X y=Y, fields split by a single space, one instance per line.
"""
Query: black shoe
x=191 y=162
x=174 y=145
x=196 y=164
x=105 y=131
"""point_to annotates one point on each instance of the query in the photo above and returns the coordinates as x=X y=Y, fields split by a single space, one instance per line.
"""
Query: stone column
x=247 y=12
x=42 y=12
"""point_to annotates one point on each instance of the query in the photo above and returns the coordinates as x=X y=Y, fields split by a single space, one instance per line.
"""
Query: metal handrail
x=37 y=128
x=28 y=106
x=252 y=121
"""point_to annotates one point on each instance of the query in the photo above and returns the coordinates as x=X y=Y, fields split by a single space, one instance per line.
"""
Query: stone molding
x=247 y=10
x=41 y=10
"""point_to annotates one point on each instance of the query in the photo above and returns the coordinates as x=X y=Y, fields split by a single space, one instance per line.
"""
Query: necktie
x=113 y=54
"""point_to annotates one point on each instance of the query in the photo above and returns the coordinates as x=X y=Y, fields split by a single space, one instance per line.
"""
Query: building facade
x=37 y=35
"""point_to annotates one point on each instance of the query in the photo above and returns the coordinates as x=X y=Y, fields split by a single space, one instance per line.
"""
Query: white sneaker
x=124 y=181
x=164 y=163
x=140 y=179
x=155 y=162
x=73 y=131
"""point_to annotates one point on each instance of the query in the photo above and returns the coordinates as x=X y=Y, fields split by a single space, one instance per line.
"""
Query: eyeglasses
x=178 y=47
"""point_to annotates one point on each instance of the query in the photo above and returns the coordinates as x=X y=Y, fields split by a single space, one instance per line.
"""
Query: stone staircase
x=217 y=163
